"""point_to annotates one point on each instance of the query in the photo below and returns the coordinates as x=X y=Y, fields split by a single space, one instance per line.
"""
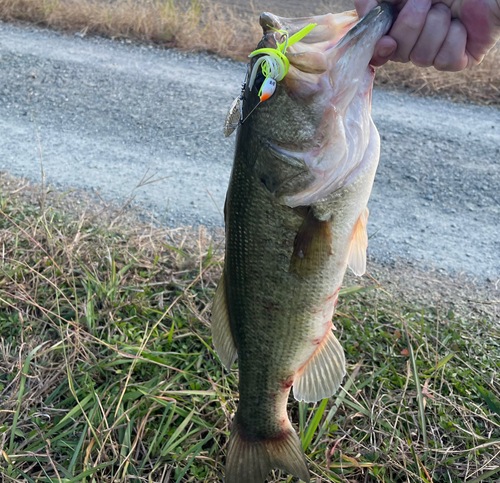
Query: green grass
x=107 y=370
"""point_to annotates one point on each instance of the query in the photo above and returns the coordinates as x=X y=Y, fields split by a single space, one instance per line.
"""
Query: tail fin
x=250 y=461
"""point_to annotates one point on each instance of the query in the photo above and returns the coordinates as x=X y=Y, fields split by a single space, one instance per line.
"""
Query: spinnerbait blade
x=233 y=117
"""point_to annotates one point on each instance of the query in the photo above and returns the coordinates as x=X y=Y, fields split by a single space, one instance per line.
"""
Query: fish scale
x=292 y=228
x=269 y=304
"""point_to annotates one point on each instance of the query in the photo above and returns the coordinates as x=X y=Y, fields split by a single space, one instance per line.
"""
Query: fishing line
x=248 y=115
x=193 y=133
x=274 y=66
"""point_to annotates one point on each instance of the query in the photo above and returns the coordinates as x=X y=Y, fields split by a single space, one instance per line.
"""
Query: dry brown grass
x=219 y=29
x=194 y=27
x=479 y=84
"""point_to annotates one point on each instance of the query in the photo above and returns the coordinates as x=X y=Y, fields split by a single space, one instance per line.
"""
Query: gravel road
x=107 y=111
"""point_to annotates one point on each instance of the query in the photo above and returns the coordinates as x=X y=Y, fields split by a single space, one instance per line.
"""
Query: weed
x=108 y=373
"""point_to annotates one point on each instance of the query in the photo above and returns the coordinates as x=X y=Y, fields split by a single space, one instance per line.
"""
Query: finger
x=407 y=28
x=452 y=55
x=384 y=48
x=432 y=37
x=364 y=6
x=482 y=22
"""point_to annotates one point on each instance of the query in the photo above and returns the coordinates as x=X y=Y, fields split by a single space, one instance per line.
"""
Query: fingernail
x=385 y=51
x=422 y=5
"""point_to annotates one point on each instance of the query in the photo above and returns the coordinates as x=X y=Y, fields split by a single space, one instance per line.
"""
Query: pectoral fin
x=322 y=375
x=359 y=244
x=312 y=246
x=221 y=330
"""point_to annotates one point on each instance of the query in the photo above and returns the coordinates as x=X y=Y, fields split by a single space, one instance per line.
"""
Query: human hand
x=448 y=34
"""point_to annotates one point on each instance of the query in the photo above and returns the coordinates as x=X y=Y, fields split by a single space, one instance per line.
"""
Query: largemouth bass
x=295 y=218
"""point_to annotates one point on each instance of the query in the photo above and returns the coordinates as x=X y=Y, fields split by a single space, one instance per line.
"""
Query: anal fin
x=359 y=244
x=221 y=330
x=322 y=375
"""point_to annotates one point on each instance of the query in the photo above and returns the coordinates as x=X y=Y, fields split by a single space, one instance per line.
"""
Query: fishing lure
x=274 y=63
x=274 y=66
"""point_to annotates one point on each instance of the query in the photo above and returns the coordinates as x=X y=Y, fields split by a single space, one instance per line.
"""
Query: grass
x=107 y=369
x=208 y=26
x=480 y=84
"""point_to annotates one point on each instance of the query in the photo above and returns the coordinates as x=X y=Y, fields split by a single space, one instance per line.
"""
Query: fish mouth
x=340 y=44
x=371 y=27
x=348 y=60
x=318 y=120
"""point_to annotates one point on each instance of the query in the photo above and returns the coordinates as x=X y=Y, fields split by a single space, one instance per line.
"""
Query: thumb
x=384 y=49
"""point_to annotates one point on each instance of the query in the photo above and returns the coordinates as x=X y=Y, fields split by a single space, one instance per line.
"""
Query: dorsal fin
x=221 y=330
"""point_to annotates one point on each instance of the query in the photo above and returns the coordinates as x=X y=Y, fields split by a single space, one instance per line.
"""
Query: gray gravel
x=108 y=111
